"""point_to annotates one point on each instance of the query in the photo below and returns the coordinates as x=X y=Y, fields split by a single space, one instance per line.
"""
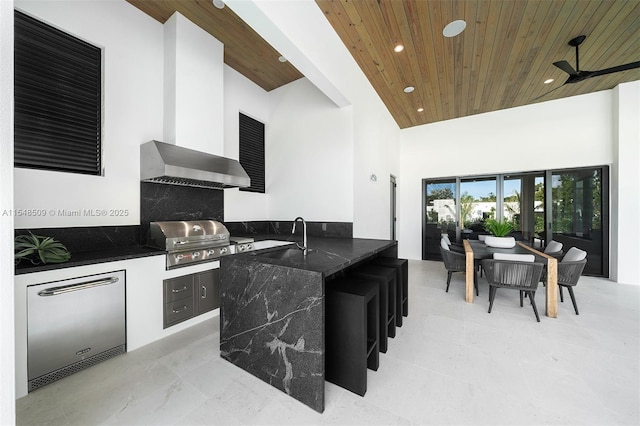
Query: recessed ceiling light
x=549 y=80
x=398 y=48
x=420 y=109
x=454 y=28
x=282 y=59
x=409 y=89
x=219 y=4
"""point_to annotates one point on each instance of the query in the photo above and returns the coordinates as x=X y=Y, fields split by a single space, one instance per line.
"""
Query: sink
x=266 y=244
x=284 y=253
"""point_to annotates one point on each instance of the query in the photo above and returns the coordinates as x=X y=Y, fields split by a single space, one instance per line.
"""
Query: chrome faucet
x=304 y=235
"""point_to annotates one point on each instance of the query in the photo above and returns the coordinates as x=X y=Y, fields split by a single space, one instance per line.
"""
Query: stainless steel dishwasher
x=74 y=324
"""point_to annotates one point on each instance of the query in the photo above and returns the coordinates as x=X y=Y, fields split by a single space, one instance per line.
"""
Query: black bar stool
x=351 y=332
x=386 y=279
x=402 y=269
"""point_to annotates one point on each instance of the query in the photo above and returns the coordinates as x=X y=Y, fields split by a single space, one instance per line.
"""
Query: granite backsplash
x=160 y=202
x=314 y=229
x=90 y=238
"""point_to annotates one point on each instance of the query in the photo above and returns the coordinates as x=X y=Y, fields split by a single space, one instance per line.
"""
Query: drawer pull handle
x=177 y=311
x=204 y=292
x=178 y=290
x=54 y=291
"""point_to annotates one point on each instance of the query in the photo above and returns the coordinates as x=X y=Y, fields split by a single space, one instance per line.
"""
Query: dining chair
x=454 y=262
x=569 y=271
x=554 y=248
x=516 y=272
x=452 y=246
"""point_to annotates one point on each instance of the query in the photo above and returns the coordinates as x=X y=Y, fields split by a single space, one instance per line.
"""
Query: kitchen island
x=272 y=310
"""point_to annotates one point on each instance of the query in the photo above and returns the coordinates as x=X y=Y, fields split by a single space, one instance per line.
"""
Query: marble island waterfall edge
x=272 y=326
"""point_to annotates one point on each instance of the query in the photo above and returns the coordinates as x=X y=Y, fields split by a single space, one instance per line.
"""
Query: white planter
x=500 y=242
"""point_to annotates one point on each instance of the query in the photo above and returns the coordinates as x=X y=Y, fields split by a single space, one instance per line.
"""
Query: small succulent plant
x=38 y=249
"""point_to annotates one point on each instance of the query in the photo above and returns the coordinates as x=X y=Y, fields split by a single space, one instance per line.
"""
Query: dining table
x=476 y=250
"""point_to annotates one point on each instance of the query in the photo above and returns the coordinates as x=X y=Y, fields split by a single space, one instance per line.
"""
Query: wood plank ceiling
x=244 y=50
x=501 y=59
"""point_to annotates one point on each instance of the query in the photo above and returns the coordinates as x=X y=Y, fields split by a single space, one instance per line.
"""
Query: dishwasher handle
x=54 y=291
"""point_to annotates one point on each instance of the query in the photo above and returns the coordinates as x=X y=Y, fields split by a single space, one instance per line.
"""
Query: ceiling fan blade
x=564 y=66
x=545 y=94
x=619 y=68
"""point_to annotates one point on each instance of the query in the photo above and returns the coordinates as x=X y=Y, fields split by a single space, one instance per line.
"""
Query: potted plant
x=38 y=249
x=500 y=230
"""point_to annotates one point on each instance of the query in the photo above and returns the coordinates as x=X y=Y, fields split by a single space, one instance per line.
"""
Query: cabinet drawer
x=178 y=310
x=178 y=288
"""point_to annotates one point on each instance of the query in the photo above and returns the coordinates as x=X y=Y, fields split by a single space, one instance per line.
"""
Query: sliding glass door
x=580 y=214
x=523 y=205
x=440 y=215
x=477 y=203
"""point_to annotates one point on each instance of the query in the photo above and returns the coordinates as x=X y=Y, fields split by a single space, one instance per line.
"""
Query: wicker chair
x=554 y=248
x=455 y=262
x=515 y=275
x=568 y=275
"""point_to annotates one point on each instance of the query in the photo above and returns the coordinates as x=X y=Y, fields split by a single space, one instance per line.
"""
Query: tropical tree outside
x=577 y=203
x=466 y=207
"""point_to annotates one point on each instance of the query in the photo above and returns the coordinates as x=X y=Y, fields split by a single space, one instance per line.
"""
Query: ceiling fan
x=578 y=75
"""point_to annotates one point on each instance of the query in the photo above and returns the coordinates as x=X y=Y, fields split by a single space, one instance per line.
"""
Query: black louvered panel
x=58 y=102
x=252 y=152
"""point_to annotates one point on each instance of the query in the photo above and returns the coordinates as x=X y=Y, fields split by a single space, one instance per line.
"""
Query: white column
x=625 y=185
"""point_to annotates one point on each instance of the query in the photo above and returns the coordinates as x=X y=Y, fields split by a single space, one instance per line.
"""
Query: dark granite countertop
x=326 y=255
x=91 y=257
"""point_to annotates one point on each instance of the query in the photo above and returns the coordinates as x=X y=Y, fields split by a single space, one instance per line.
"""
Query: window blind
x=252 y=152
x=57 y=85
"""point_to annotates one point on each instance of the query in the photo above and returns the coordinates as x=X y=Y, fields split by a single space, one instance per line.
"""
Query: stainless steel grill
x=188 y=242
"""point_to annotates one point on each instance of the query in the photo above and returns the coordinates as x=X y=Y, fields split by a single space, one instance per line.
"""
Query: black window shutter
x=252 y=152
x=57 y=84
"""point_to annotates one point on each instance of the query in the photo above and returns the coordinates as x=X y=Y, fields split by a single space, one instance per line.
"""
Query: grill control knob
x=223 y=250
x=195 y=254
x=249 y=246
x=211 y=252
x=179 y=257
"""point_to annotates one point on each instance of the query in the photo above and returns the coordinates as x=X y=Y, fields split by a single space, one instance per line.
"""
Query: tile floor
x=450 y=363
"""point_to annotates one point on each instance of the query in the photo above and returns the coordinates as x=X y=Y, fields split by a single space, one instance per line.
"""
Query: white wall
x=7 y=355
x=376 y=152
x=132 y=45
x=309 y=156
x=241 y=95
x=308 y=152
x=625 y=183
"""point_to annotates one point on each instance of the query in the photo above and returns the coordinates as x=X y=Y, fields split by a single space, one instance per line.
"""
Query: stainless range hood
x=166 y=163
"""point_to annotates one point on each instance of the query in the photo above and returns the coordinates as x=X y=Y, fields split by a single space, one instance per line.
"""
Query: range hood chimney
x=162 y=162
